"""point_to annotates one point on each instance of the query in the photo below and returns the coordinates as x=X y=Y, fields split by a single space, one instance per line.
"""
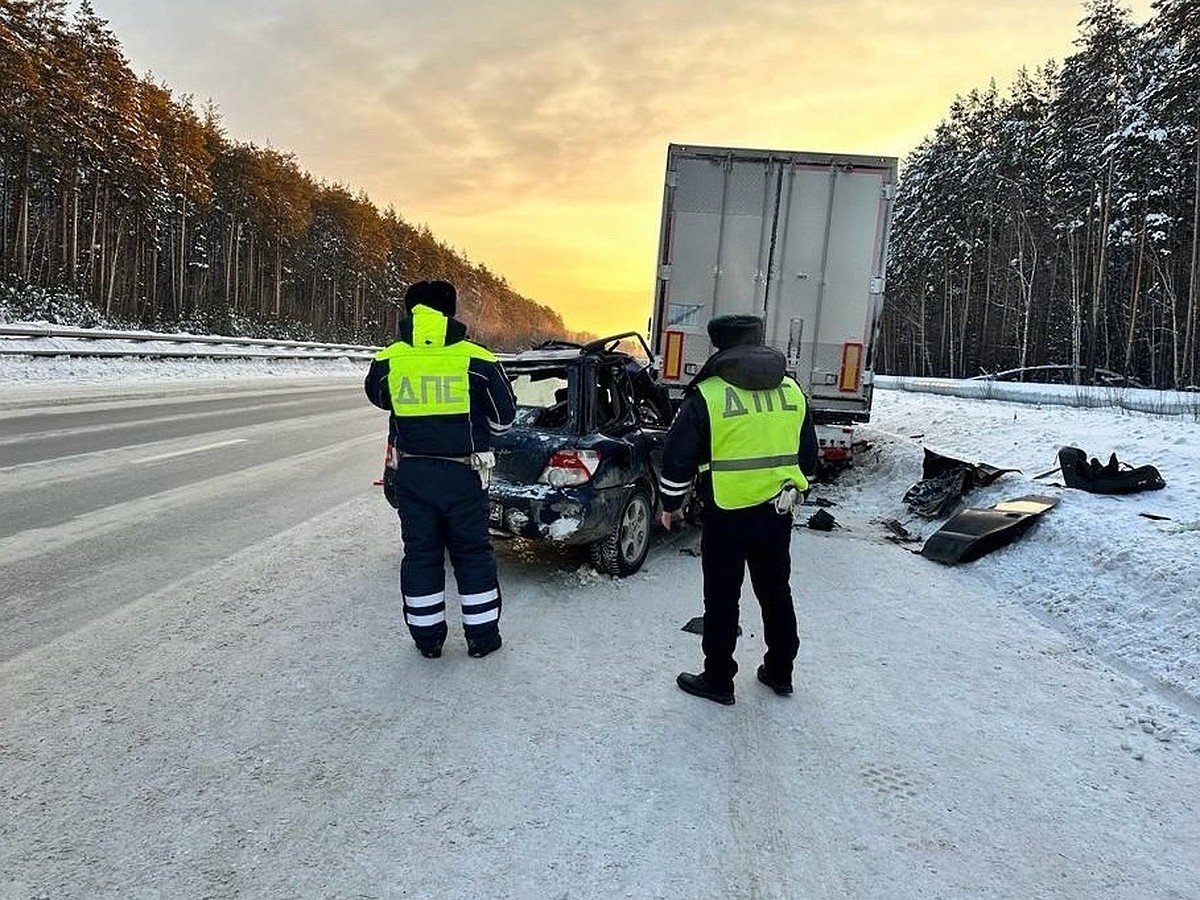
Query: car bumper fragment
x=539 y=512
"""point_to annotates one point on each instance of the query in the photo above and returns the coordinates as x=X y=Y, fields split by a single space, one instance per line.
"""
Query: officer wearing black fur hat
x=447 y=396
x=745 y=429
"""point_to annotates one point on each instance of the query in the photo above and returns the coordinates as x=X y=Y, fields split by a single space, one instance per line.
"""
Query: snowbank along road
x=206 y=690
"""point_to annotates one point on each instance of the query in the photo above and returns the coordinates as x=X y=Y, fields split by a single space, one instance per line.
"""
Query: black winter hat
x=439 y=295
x=735 y=330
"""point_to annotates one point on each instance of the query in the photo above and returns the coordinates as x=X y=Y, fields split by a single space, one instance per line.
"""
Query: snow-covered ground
x=53 y=373
x=1021 y=726
x=1119 y=583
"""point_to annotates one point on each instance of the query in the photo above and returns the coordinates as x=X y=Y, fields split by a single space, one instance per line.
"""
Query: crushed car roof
x=557 y=351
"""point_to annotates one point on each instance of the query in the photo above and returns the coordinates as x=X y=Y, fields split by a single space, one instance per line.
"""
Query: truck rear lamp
x=570 y=467
x=673 y=355
x=852 y=355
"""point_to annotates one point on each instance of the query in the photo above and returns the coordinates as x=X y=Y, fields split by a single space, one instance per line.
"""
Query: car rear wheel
x=624 y=550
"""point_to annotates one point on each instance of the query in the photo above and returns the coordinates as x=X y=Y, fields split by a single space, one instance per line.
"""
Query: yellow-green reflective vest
x=755 y=438
x=430 y=377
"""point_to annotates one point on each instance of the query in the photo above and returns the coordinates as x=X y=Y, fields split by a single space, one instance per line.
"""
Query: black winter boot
x=484 y=644
x=700 y=686
x=782 y=688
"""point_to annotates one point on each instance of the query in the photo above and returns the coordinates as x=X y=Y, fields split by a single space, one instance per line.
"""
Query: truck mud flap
x=973 y=533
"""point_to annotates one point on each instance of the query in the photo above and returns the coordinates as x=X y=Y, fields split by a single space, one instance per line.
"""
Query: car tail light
x=570 y=467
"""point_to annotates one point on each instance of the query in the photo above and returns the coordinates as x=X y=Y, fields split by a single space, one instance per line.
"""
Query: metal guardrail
x=1145 y=400
x=54 y=340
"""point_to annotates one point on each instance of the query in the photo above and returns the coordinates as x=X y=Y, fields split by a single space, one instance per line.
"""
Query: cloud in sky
x=531 y=134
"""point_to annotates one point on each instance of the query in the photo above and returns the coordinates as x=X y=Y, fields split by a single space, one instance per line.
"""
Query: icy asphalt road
x=258 y=726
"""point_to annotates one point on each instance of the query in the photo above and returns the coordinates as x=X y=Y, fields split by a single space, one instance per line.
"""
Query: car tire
x=624 y=550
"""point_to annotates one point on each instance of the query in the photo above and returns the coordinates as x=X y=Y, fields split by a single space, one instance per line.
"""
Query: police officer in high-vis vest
x=447 y=397
x=744 y=428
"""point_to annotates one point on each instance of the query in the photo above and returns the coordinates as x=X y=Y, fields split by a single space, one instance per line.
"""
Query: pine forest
x=118 y=193
x=1053 y=231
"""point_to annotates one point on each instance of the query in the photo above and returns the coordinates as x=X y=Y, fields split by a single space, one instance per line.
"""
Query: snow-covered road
x=262 y=727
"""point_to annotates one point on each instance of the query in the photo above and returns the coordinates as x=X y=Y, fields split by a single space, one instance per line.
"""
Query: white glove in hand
x=787 y=500
x=483 y=463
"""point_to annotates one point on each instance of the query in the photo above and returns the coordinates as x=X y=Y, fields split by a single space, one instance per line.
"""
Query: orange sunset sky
x=531 y=135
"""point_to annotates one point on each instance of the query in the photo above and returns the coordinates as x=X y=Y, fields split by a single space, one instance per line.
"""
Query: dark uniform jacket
x=689 y=442
x=492 y=405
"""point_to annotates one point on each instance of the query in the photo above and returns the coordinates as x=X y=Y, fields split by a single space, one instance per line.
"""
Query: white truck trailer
x=798 y=238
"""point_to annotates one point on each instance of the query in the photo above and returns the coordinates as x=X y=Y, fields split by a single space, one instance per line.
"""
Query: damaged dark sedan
x=580 y=465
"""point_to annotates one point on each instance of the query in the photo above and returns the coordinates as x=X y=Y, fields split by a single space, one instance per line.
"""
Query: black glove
x=389 y=490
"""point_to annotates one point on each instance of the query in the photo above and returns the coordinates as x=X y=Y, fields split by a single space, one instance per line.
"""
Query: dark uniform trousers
x=443 y=508
x=760 y=538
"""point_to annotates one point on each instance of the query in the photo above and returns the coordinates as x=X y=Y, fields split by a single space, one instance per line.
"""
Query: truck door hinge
x=672 y=178
x=664 y=272
x=877 y=285
x=889 y=192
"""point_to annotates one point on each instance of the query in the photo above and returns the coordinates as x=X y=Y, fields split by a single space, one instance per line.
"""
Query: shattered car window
x=543 y=398
x=612 y=409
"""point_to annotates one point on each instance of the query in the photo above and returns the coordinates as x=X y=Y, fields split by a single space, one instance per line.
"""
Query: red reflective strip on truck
x=673 y=355
x=851 y=367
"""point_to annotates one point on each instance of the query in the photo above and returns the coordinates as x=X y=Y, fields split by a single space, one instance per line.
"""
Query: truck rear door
x=827 y=293
x=714 y=245
x=798 y=238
